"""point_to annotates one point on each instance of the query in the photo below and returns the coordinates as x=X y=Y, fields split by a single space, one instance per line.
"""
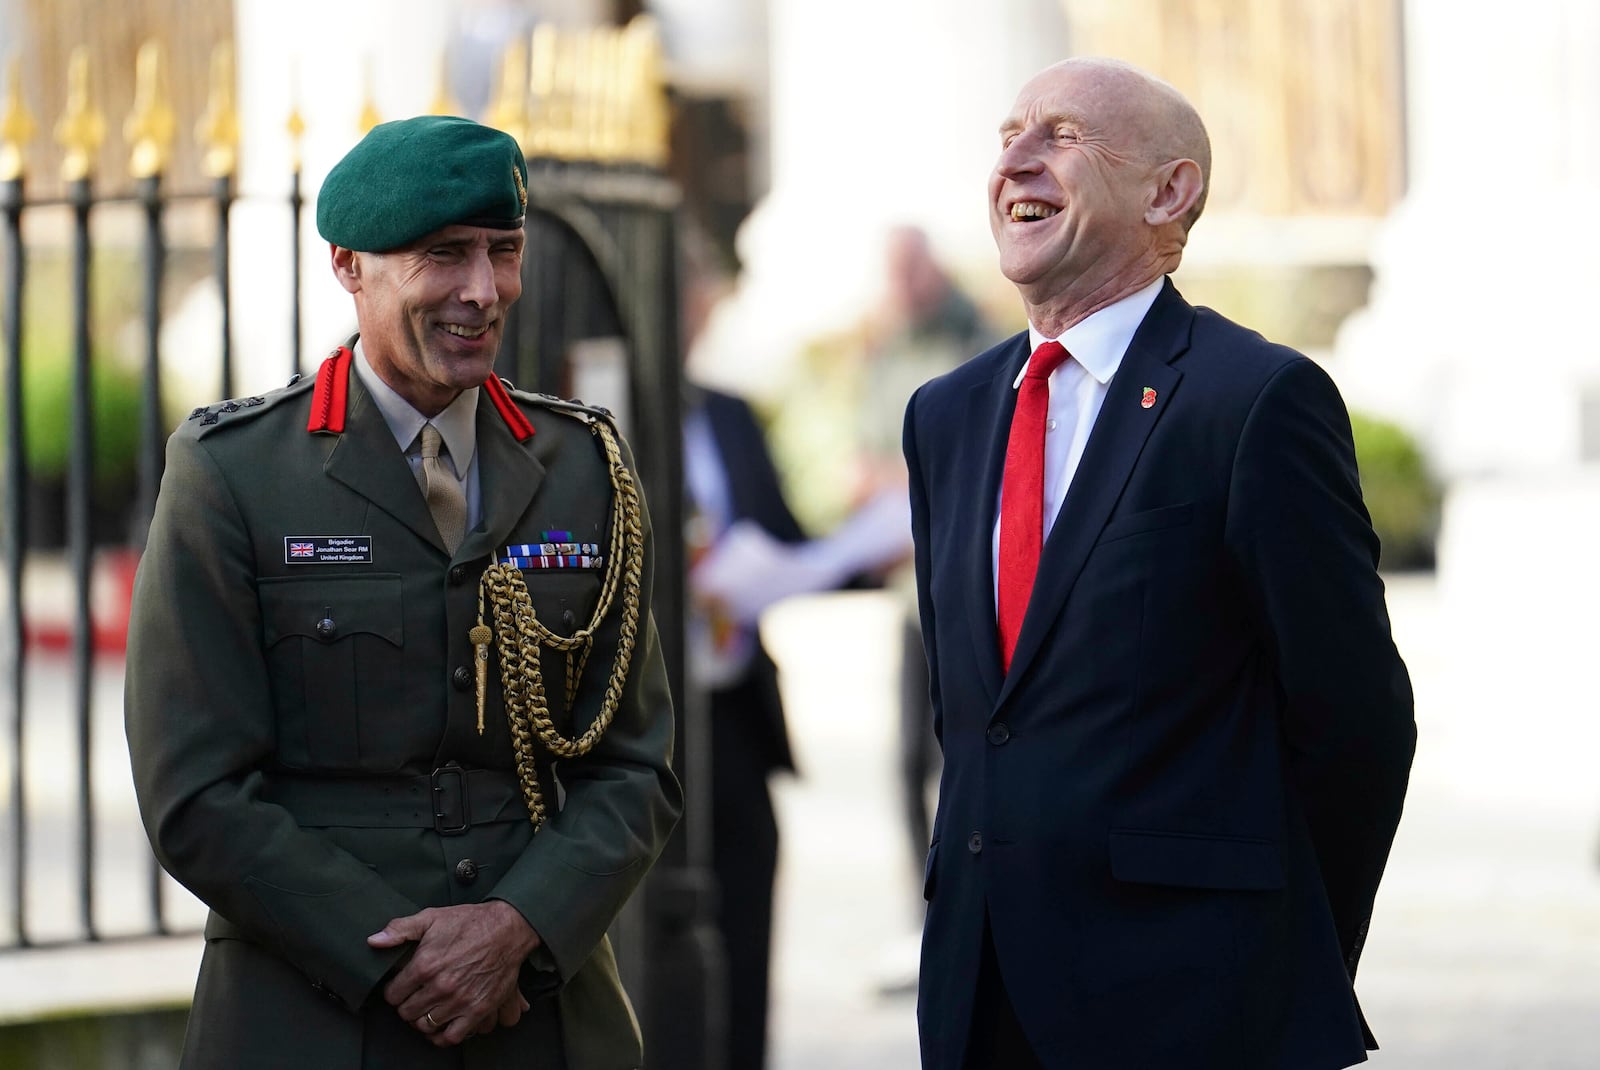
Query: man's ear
x=1178 y=191
x=346 y=267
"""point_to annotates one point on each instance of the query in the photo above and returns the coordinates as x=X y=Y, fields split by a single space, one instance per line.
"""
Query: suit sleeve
x=622 y=799
x=921 y=557
x=1305 y=545
x=201 y=726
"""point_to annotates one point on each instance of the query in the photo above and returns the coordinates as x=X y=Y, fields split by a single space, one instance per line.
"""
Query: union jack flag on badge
x=302 y=549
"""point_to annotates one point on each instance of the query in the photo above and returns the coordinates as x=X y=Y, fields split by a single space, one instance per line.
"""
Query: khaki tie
x=446 y=501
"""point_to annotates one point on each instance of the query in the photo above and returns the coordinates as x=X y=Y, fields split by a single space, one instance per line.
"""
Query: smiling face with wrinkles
x=433 y=312
x=1093 y=192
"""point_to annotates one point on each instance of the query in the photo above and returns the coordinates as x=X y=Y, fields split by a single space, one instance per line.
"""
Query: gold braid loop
x=519 y=634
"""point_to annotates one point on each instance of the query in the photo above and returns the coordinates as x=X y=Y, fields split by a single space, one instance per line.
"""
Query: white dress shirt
x=457 y=424
x=1077 y=390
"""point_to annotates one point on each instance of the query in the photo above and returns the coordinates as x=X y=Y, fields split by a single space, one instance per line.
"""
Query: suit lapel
x=1118 y=438
x=508 y=477
x=367 y=460
x=989 y=404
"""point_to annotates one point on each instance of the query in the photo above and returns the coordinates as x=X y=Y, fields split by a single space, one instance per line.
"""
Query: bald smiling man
x=1177 y=733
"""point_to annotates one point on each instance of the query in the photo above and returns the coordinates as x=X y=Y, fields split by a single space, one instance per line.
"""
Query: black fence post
x=16 y=535
x=153 y=429
x=297 y=204
x=80 y=536
x=222 y=192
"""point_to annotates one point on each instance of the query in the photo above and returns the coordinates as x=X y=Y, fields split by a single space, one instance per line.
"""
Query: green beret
x=408 y=178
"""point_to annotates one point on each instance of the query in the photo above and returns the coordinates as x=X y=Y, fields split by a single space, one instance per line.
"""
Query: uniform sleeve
x=201 y=727
x=622 y=799
x=1301 y=535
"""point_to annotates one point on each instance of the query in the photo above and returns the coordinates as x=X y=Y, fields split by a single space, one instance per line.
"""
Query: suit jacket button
x=999 y=734
x=466 y=871
x=975 y=842
x=462 y=678
x=458 y=575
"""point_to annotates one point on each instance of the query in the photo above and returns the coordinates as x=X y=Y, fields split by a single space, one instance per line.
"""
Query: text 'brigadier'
x=395 y=701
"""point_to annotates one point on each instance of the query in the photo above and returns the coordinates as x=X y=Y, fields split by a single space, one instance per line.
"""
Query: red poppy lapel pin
x=1149 y=399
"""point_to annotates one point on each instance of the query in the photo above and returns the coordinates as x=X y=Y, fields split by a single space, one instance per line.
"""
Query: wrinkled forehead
x=1091 y=97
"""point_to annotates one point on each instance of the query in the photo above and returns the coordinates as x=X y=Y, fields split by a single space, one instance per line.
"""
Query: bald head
x=1161 y=124
x=1102 y=172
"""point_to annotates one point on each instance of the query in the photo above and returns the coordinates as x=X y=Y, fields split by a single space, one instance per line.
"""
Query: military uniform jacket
x=284 y=714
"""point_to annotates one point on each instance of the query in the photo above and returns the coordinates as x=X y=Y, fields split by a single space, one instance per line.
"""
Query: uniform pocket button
x=466 y=871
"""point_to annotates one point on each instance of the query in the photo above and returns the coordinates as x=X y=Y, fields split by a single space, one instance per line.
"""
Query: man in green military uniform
x=395 y=701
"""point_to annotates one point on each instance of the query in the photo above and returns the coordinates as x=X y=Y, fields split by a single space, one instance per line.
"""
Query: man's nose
x=478 y=281
x=1020 y=157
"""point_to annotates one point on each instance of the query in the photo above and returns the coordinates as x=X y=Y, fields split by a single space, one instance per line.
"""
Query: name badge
x=327 y=549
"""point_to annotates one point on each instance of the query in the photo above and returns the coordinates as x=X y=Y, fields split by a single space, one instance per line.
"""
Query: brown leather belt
x=449 y=800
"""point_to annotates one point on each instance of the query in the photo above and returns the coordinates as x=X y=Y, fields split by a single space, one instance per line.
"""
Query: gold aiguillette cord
x=480 y=636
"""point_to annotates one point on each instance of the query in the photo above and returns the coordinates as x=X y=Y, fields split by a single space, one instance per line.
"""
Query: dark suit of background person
x=1164 y=826
x=729 y=476
x=286 y=702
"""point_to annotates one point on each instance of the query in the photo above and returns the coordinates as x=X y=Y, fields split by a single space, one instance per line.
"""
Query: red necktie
x=1022 y=496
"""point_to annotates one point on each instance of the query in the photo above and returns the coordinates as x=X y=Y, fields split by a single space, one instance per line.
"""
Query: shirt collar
x=457 y=424
x=1098 y=341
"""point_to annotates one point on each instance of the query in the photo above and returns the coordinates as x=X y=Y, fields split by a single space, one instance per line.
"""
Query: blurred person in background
x=925 y=326
x=747 y=552
x=729 y=478
x=1176 y=731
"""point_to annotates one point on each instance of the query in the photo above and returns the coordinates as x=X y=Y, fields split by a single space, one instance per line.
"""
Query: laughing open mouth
x=1030 y=211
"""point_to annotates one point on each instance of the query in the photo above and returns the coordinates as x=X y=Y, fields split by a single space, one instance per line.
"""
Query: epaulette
x=567 y=407
x=224 y=413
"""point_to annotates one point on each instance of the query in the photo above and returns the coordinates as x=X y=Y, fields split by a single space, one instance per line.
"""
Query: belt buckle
x=442 y=813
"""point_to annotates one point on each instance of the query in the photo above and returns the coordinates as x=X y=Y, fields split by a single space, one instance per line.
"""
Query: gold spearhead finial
x=509 y=112
x=443 y=102
x=16 y=125
x=370 y=116
x=296 y=123
x=218 y=128
x=611 y=89
x=81 y=128
x=647 y=97
x=151 y=125
x=542 y=91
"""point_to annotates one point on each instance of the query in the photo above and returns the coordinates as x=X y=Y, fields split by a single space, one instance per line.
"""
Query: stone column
x=1479 y=337
x=1474 y=336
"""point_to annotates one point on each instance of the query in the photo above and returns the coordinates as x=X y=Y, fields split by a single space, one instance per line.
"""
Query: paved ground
x=1485 y=953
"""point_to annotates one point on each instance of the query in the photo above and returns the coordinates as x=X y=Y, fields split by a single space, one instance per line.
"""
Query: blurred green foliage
x=115 y=386
x=1401 y=494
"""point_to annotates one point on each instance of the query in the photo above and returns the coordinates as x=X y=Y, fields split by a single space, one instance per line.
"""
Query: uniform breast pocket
x=564 y=601
x=334 y=648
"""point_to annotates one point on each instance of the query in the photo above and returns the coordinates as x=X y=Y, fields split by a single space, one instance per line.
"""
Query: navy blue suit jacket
x=1175 y=808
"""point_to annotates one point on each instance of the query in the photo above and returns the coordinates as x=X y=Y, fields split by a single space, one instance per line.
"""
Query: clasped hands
x=462 y=979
